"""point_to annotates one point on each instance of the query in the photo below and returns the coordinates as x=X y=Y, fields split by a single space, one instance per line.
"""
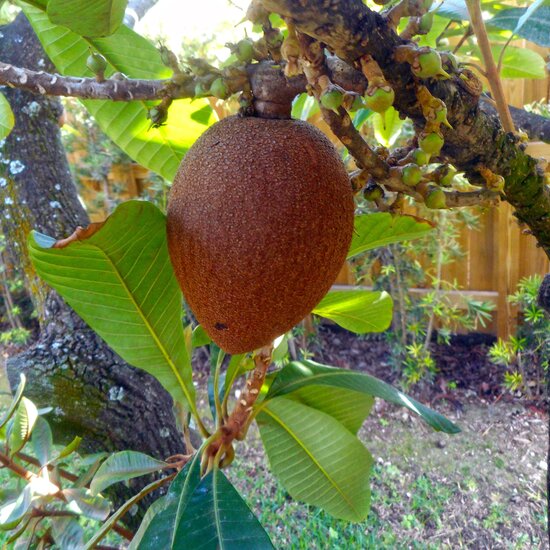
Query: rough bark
x=350 y=30
x=94 y=393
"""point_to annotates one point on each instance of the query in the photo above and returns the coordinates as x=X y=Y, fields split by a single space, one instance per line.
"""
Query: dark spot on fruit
x=220 y=326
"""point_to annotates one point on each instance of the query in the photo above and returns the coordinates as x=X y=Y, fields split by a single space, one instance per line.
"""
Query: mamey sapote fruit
x=260 y=218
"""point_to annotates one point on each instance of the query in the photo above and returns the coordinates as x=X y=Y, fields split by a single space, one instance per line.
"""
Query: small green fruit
x=431 y=143
x=96 y=63
x=411 y=174
x=357 y=103
x=435 y=199
x=428 y=65
x=332 y=98
x=420 y=157
x=245 y=51
x=219 y=89
x=379 y=98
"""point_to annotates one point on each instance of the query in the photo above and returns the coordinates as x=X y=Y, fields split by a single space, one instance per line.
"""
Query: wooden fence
x=501 y=253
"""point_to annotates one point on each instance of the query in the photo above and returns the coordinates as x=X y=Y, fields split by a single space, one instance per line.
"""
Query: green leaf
x=536 y=28
x=7 y=119
x=161 y=530
x=123 y=466
x=217 y=517
x=455 y=10
x=121 y=282
x=23 y=424
x=83 y=502
x=517 y=62
x=147 y=525
x=304 y=106
x=200 y=337
x=357 y=310
x=383 y=228
x=97 y=18
x=387 y=126
x=348 y=407
x=126 y=123
x=13 y=512
x=68 y=534
x=42 y=441
x=299 y=374
x=15 y=401
x=316 y=458
x=69 y=449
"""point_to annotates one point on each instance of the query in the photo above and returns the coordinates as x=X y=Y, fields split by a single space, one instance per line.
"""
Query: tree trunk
x=94 y=393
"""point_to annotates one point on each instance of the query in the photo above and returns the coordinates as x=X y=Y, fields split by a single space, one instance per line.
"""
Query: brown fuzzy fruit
x=260 y=219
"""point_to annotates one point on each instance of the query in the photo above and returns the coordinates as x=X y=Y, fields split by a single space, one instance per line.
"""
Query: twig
x=470 y=198
x=492 y=73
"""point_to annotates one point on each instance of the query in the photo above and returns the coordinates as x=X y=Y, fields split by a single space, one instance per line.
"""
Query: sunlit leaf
x=97 y=18
x=15 y=401
x=382 y=228
x=23 y=424
x=387 y=126
x=357 y=310
x=7 y=119
x=42 y=441
x=13 y=512
x=123 y=466
x=83 y=502
x=121 y=282
x=126 y=123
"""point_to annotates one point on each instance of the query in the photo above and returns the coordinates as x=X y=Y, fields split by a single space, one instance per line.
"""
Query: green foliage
x=374 y=230
x=137 y=290
x=91 y=19
x=126 y=123
x=526 y=356
x=398 y=268
x=122 y=466
x=6 y=117
x=358 y=311
x=300 y=442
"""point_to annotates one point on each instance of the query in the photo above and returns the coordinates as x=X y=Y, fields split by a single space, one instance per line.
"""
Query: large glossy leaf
x=217 y=517
x=82 y=501
x=517 y=62
x=121 y=282
x=349 y=407
x=454 y=9
x=68 y=534
x=299 y=374
x=357 y=310
x=382 y=228
x=316 y=458
x=161 y=528
x=23 y=424
x=42 y=441
x=15 y=401
x=125 y=123
x=123 y=466
x=97 y=18
x=13 y=512
x=536 y=28
x=6 y=117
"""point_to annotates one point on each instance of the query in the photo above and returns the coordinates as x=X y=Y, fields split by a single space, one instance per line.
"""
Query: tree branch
x=351 y=30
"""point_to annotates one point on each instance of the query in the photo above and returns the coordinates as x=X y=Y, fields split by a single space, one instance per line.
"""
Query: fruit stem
x=220 y=445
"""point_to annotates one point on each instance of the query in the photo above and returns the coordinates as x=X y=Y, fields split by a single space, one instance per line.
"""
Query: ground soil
x=482 y=488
